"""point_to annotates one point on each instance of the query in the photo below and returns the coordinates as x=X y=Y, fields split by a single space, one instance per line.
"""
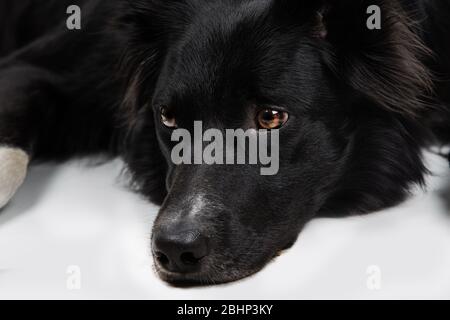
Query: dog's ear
x=143 y=31
x=372 y=46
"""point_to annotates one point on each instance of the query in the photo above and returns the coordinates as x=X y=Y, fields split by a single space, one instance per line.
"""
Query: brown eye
x=168 y=117
x=271 y=119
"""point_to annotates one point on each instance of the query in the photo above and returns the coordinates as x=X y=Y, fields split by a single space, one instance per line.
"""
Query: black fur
x=362 y=103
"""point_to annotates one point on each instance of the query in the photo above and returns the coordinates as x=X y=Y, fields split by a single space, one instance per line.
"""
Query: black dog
x=354 y=107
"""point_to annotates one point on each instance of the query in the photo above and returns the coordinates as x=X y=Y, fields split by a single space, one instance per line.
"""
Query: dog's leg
x=25 y=105
x=13 y=169
x=42 y=118
x=56 y=104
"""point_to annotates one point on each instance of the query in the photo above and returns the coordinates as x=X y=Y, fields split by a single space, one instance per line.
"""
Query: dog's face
x=230 y=71
x=261 y=65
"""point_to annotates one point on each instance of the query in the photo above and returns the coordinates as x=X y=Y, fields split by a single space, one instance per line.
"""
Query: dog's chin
x=200 y=279
x=203 y=279
x=206 y=277
x=216 y=271
x=181 y=280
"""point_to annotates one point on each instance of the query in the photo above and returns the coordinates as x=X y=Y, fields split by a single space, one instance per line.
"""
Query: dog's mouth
x=192 y=271
x=194 y=278
x=183 y=280
x=205 y=278
x=190 y=264
x=208 y=270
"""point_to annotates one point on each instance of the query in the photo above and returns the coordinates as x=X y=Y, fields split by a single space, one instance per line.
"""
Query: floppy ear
x=143 y=30
x=385 y=64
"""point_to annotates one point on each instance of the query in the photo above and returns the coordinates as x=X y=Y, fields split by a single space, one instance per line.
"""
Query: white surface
x=76 y=215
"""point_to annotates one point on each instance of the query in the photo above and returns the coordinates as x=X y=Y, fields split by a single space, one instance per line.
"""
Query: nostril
x=180 y=251
x=188 y=258
x=162 y=258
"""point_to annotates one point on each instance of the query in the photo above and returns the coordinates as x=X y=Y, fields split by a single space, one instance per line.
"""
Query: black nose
x=181 y=252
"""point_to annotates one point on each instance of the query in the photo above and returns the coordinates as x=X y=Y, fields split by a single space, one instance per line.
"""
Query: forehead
x=234 y=51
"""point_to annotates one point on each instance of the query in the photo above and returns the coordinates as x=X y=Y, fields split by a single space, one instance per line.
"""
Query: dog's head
x=341 y=96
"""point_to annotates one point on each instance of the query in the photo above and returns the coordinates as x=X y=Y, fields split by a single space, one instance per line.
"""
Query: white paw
x=13 y=169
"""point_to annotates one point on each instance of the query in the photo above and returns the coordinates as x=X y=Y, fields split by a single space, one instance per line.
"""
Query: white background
x=75 y=214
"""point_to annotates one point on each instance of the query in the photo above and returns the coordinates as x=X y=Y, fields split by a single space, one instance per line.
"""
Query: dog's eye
x=168 y=117
x=272 y=119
